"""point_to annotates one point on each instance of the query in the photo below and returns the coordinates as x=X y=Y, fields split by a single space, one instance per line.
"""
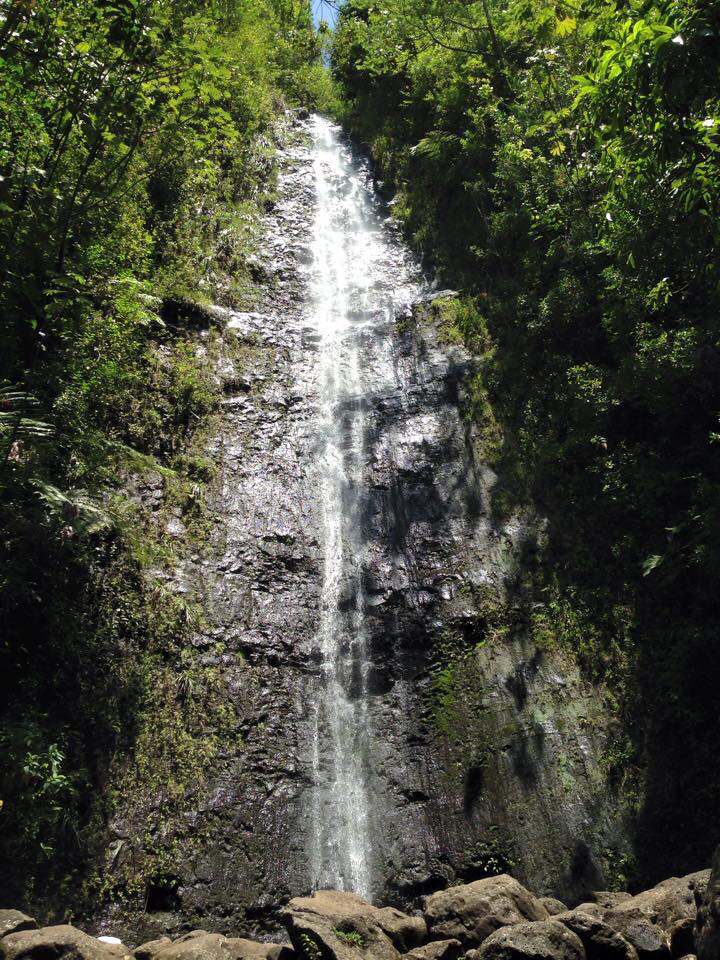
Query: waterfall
x=360 y=278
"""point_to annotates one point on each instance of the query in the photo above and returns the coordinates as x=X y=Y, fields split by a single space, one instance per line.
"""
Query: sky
x=322 y=10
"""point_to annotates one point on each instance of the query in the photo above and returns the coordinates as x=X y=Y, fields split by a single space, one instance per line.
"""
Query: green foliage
x=310 y=949
x=136 y=154
x=351 y=937
x=558 y=165
x=492 y=855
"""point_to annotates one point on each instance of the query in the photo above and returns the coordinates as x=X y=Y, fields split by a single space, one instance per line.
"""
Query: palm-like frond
x=74 y=509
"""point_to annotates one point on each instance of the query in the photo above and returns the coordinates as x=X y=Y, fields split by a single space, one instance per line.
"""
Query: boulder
x=12 y=921
x=601 y=942
x=470 y=913
x=342 y=926
x=607 y=899
x=242 y=949
x=115 y=949
x=707 y=923
x=543 y=940
x=650 y=940
x=281 y=951
x=682 y=938
x=197 y=945
x=592 y=909
x=436 y=950
x=406 y=932
x=147 y=951
x=668 y=902
x=552 y=905
x=53 y=943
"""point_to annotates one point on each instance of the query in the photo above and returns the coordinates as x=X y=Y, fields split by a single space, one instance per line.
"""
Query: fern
x=75 y=510
x=15 y=421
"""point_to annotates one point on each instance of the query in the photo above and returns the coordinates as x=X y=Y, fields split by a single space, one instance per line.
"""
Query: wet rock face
x=499 y=765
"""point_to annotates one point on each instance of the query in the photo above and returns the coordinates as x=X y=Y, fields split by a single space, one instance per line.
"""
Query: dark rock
x=471 y=912
x=650 y=940
x=543 y=940
x=439 y=558
x=707 y=924
x=682 y=938
x=601 y=942
x=13 y=921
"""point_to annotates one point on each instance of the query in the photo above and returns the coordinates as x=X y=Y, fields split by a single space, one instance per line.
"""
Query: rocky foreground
x=491 y=919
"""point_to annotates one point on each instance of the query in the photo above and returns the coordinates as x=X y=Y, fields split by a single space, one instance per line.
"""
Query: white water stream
x=361 y=277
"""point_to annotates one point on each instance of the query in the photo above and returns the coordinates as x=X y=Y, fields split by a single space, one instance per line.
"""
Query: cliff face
x=481 y=751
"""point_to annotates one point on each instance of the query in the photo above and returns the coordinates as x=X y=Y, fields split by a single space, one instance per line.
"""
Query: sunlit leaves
x=565 y=26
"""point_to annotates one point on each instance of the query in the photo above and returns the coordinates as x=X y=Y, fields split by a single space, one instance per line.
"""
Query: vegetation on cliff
x=559 y=163
x=136 y=147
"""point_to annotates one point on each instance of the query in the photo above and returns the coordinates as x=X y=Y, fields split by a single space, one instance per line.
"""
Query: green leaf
x=565 y=26
x=651 y=563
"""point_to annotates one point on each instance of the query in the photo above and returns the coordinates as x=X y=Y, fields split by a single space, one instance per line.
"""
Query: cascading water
x=361 y=278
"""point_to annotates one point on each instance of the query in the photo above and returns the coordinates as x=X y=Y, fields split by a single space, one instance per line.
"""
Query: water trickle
x=361 y=278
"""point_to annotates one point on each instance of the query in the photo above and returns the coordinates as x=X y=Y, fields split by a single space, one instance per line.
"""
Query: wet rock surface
x=527 y=787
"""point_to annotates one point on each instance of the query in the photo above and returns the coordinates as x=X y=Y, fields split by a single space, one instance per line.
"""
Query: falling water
x=360 y=279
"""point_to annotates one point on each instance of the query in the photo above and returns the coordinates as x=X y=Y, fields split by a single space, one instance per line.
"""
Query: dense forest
x=558 y=164
x=135 y=161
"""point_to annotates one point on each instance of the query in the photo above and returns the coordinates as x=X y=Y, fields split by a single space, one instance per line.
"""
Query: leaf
x=565 y=26
x=75 y=509
x=651 y=563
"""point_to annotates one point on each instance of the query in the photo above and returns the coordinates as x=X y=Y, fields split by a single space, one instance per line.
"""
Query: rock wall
x=487 y=750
